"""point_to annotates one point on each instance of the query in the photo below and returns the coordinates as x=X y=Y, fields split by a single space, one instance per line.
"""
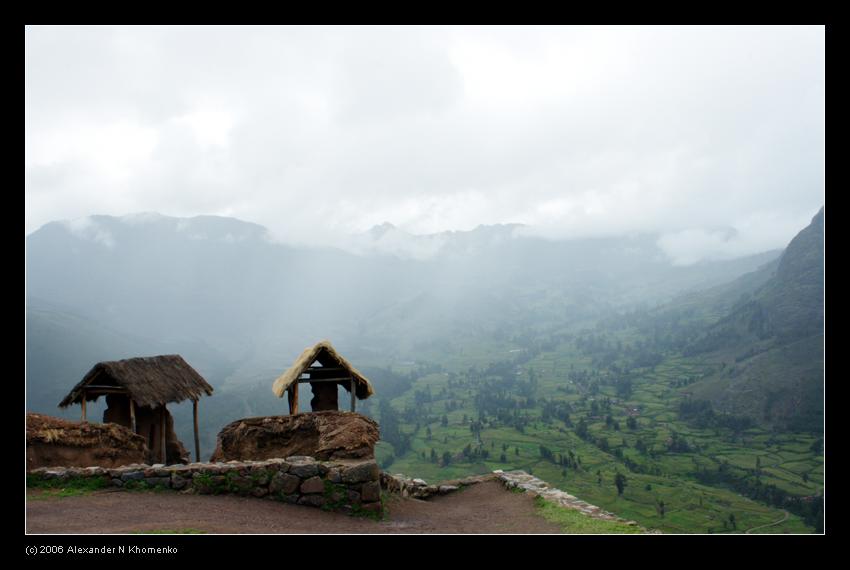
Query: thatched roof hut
x=324 y=368
x=147 y=382
x=151 y=381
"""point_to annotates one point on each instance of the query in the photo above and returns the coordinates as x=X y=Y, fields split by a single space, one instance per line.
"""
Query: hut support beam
x=293 y=399
x=132 y=416
x=353 y=395
x=162 y=434
x=83 y=404
x=197 y=441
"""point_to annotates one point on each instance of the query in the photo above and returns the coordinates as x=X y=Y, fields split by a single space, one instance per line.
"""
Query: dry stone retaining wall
x=419 y=489
x=537 y=487
x=349 y=486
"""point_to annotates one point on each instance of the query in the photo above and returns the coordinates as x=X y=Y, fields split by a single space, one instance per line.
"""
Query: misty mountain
x=239 y=306
x=227 y=283
x=770 y=342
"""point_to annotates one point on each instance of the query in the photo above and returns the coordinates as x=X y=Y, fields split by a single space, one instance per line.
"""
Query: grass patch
x=574 y=522
x=64 y=487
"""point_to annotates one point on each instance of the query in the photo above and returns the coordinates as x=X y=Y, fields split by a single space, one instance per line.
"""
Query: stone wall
x=351 y=486
x=405 y=486
x=522 y=481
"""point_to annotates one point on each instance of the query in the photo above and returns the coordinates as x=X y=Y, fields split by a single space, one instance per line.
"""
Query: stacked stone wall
x=352 y=486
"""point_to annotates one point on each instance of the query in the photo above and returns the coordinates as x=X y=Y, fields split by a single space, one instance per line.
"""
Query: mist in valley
x=508 y=226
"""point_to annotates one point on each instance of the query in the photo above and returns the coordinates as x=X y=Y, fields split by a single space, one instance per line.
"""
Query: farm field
x=453 y=428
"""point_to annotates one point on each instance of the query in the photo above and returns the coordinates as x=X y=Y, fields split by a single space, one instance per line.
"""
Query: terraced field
x=663 y=487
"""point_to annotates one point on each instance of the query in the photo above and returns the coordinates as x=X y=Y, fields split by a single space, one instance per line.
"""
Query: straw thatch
x=327 y=356
x=151 y=381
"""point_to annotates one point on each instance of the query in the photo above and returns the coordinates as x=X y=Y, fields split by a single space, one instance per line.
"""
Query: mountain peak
x=377 y=231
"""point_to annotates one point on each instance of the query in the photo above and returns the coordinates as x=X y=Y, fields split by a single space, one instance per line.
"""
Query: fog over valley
x=593 y=254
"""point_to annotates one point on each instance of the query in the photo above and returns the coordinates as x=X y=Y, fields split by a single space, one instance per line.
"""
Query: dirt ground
x=483 y=508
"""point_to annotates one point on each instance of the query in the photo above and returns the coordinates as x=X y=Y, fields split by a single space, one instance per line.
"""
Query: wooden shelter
x=324 y=369
x=137 y=391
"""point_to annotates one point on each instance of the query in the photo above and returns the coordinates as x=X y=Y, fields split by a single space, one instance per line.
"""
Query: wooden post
x=293 y=398
x=132 y=416
x=197 y=441
x=353 y=394
x=162 y=437
x=83 y=404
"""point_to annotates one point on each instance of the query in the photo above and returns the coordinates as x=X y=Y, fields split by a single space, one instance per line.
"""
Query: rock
x=260 y=492
x=285 y=483
x=278 y=465
x=360 y=472
x=158 y=481
x=304 y=470
x=261 y=478
x=371 y=491
x=338 y=495
x=419 y=482
x=300 y=458
x=324 y=435
x=118 y=482
x=354 y=497
x=240 y=484
x=312 y=500
x=444 y=489
x=313 y=485
x=178 y=482
x=334 y=475
x=133 y=476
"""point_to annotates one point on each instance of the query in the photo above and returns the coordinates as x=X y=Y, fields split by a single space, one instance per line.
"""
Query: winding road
x=780 y=521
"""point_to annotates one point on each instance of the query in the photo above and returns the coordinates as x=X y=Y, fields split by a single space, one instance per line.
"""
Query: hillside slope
x=770 y=344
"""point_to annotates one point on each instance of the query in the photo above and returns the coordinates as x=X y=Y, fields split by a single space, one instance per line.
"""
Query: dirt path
x=780 y=521
x=484 y=508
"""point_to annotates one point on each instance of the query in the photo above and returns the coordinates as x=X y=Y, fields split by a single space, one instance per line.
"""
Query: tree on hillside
x=620 y=481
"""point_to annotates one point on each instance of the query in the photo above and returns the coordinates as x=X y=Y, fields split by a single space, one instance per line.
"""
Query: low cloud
x=320 y=133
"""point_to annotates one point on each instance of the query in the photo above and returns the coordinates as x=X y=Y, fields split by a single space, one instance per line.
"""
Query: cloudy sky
x=711 y=136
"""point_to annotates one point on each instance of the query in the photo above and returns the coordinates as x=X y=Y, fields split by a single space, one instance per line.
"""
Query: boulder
x=313 y=485
x=371 y=492
x=284 y=483
x=56 y=442
x=324 y=435
x=357 y=473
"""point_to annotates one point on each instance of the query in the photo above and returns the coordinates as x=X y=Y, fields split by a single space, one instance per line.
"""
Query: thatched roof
x=327 y=356
x=151 y=381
